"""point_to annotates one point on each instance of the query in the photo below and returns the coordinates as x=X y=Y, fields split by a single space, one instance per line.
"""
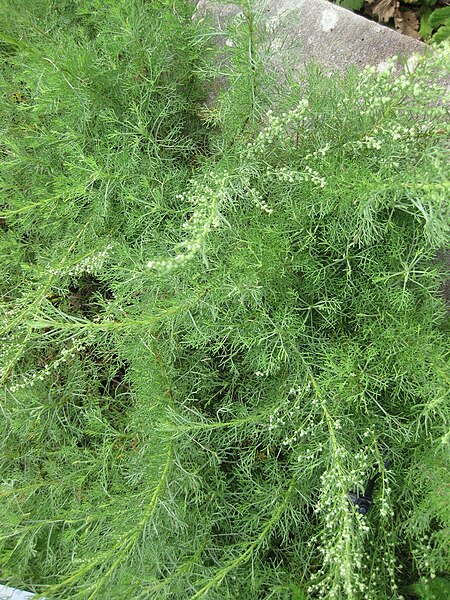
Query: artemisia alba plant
x=223 y=351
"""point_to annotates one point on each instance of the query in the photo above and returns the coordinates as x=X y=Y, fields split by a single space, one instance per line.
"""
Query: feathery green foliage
x=218 y=317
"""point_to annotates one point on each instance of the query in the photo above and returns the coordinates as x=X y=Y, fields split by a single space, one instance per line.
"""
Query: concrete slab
x=316 y=30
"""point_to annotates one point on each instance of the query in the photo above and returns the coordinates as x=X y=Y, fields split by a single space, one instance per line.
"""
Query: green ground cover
x=218 y=318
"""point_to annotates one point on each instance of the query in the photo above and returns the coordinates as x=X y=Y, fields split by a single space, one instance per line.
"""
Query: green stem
x=250 y=548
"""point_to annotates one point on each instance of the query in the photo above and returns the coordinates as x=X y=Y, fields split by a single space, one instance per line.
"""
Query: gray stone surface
x=316 y=30
x=9 y=593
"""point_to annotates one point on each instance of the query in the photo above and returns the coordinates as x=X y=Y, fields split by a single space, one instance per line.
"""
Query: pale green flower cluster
x=382 y=91
x=27 y=380
x=286 y=175
x=90 y=265
x=276 y=128
x=288 y=410
x=207 y=196
x=320 y=153
x=258 y=200
x=342 y=572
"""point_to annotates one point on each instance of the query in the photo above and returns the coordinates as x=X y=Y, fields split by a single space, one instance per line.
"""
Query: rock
x=9 y=593
x=316 y=30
